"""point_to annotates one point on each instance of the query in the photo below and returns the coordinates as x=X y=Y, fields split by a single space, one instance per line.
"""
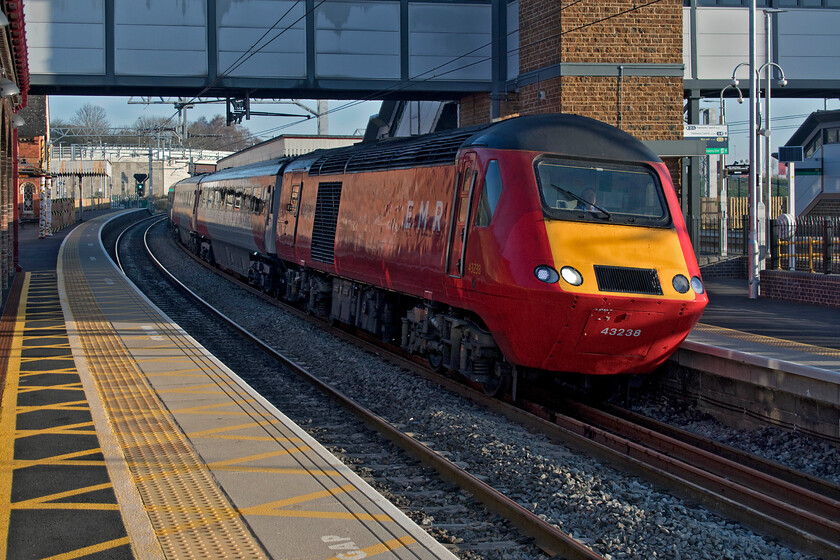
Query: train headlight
x=545 y=273
x=571 y=275
x=680 y=283
x=697 y=285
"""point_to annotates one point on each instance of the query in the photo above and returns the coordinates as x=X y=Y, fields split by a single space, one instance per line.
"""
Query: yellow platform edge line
x=8 y=417
x=768 y=340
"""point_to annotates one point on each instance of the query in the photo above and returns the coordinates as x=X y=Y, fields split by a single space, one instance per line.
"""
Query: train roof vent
x=326 y=218
x=330 y=164
x=432 y=150
x=628 y=280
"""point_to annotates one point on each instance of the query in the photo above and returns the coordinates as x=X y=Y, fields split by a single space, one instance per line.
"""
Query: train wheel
x=436 y=361
x=496 y=384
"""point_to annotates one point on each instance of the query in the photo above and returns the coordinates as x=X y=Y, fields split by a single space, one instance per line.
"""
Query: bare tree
x=94 y=120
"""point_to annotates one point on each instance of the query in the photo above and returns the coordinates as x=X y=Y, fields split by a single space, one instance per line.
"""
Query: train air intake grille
x=628 y=280
x=326 y=220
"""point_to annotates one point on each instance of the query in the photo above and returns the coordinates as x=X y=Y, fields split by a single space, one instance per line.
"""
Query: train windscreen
x=597 y=191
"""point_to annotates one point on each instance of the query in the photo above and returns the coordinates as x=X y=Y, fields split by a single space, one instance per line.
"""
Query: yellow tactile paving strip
x=191 y=516
x=298 y=499
x=768 y=341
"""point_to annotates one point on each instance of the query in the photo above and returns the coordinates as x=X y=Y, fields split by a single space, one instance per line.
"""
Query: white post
x=791 y=177
x=724 y=187
x=768 y=28
x=149 y=189
x=753 y=253
x=323 y=118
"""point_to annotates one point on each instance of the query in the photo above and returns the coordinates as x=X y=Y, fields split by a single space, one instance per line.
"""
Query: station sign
x=737 y=170
x=715 y=135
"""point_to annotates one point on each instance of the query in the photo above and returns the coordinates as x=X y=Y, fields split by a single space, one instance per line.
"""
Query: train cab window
x=489 y=194
x=601 y=191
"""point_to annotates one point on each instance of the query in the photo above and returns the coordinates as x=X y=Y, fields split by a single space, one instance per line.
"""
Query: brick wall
x=804 y=287
x=31 y=150
x=475 y=109
x=611 y=31
x=608 y=32
x=726 y=267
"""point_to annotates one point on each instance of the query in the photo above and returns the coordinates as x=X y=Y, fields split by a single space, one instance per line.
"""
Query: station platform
x=122 y=437
x=763 y=359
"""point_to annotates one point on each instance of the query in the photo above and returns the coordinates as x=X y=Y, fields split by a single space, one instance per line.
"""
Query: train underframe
x=451 y=339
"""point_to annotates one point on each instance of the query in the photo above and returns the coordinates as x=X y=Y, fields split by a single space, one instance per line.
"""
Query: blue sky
x=788 y=114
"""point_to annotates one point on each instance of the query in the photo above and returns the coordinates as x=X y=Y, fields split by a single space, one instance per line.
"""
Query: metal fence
x=810 y=245
x=711 y=231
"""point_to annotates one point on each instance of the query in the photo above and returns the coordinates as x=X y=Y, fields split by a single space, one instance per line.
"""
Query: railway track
x=546 y=537
x=731 y=482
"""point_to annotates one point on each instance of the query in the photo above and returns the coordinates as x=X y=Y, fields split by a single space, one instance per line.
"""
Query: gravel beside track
x=796 y=450
x=618 y=515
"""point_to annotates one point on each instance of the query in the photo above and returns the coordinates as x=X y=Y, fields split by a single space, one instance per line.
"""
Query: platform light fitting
x=7 y=87
x=17 y=121
x=4 y=21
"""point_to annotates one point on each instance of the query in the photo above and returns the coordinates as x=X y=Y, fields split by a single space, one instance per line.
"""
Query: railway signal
x=141 y=182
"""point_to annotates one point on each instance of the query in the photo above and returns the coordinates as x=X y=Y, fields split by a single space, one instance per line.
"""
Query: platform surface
x=183 y=459
x=797 y=336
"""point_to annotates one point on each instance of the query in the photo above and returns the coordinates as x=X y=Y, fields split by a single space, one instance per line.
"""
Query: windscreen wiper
x=583 y=200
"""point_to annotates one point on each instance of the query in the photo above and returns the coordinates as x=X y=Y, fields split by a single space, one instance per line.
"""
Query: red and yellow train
x=544 y=242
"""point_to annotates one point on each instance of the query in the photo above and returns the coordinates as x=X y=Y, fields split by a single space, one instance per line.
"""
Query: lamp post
x=752 y=243
x=768 y=32
x=755 y=190
x=724 y=181
x=753 y=276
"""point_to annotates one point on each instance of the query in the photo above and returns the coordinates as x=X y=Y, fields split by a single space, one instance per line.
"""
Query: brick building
x=13 y=97
x=33 y=138
x=616 y=61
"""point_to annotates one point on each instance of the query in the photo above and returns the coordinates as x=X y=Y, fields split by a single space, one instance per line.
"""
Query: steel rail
x=789 y=504
x=803 y=492
x=128 y=227
x=546 y=536
x=765 y=514
x=799 y=478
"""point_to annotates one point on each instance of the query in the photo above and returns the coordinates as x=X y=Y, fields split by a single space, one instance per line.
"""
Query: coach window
x=489 y=194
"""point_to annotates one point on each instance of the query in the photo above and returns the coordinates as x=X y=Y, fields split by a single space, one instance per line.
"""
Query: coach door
x=197 y=193
x=459 y=230
x=287 y=213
